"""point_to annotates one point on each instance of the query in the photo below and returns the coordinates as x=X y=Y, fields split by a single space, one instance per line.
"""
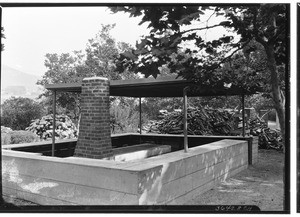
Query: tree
x=96 y=60
x=63 y=68
x=17 y=113
x=101 y=52
x=206 y=62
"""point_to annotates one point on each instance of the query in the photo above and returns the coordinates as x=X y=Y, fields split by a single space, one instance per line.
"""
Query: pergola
x=170 y=86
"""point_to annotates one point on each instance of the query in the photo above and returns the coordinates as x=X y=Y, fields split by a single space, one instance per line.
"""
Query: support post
x=185 y=142
x=54 y=122
x=243 y=114
x=140 y=100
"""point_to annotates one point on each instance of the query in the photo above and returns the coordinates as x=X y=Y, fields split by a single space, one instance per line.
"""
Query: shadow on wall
x=175 y=182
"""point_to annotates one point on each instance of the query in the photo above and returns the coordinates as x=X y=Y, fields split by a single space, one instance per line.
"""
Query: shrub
x=5 y=129
x=5 y=138
x=5 y=135
x=22 y=136
x=17 y=113
x=65 y=128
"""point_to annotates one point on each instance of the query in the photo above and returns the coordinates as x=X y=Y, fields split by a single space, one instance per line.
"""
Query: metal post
x=185 y=142
x=54 y=124
x=140 y=115
x=243 y=114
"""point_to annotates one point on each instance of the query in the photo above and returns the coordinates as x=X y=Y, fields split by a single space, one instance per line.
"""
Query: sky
x=32 y=32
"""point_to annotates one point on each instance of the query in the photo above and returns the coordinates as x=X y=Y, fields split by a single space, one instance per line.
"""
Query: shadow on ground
x=260 y=185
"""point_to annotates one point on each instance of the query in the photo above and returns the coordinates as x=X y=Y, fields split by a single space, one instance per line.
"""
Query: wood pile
x=201 y=121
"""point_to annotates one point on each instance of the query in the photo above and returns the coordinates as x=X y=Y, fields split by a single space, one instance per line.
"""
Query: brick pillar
x=94 y=139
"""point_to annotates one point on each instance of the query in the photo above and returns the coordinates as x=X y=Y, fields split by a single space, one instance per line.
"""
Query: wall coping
x=95 y=78
x=134 y=166
x=48 y=142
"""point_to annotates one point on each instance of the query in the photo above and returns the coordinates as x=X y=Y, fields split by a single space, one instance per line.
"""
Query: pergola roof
x=149 y=87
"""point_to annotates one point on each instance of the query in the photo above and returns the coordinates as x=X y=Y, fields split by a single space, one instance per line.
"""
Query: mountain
x=14 y=77
x=17 y=83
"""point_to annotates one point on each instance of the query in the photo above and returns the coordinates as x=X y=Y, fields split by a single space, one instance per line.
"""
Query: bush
x=5 y=138
x=5 y=129
x=22 y=136
x=43 y=128
x=5 y=135
x=17 y=113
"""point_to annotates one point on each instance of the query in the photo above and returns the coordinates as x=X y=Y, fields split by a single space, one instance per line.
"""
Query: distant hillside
x=13 y=80
x=14 y=77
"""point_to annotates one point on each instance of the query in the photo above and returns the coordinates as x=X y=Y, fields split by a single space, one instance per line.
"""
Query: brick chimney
x=94 y=140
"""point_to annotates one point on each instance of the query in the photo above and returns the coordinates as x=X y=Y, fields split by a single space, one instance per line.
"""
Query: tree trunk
x=276 y=92
x=279 y=102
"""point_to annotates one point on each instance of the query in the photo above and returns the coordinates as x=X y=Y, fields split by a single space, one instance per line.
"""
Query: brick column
x=94 y=139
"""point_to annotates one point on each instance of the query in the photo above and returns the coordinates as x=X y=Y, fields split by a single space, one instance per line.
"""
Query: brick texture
x=94 y=139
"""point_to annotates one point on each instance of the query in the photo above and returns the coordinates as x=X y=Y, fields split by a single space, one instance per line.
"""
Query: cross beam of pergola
x=170 y=86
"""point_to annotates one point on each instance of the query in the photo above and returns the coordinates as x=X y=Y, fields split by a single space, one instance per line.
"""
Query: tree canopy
x=96 y=60
x=172 y=27
x=175 y=40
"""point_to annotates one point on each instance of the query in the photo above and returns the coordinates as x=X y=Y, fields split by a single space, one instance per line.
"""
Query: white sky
x=32 y=32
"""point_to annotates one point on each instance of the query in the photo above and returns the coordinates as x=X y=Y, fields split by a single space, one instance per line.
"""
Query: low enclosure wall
x=65 y=148
x=172 y=178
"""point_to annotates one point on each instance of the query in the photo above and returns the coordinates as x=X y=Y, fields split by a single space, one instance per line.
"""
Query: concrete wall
x=65 y=148
x=178 y=178
x=255 y=149
x=67 y=181
x=172 y=178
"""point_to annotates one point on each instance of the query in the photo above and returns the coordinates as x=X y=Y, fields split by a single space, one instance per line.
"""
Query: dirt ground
x=260 y=185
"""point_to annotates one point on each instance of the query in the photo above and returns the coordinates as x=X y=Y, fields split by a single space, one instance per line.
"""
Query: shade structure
x=170 y=86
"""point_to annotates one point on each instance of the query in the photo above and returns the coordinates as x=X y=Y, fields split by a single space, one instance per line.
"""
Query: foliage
x=17 y=112
x=5 y=129
x=64 y=68
x=5 y=135
x=22 y=136
x=96 y=60
x=208 y=62
x=65 y=128
x=5 y=138
x=125 y=116
x=8 y=136
x=169 y=33
x=101 y=50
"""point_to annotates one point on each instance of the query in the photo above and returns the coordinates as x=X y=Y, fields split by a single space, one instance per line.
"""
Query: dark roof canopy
x=149 y=87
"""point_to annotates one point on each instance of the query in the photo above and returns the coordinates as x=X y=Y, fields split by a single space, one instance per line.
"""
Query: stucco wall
x=171 y=178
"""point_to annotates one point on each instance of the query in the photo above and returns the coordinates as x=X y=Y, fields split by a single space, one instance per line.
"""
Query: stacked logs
x=201 y=121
